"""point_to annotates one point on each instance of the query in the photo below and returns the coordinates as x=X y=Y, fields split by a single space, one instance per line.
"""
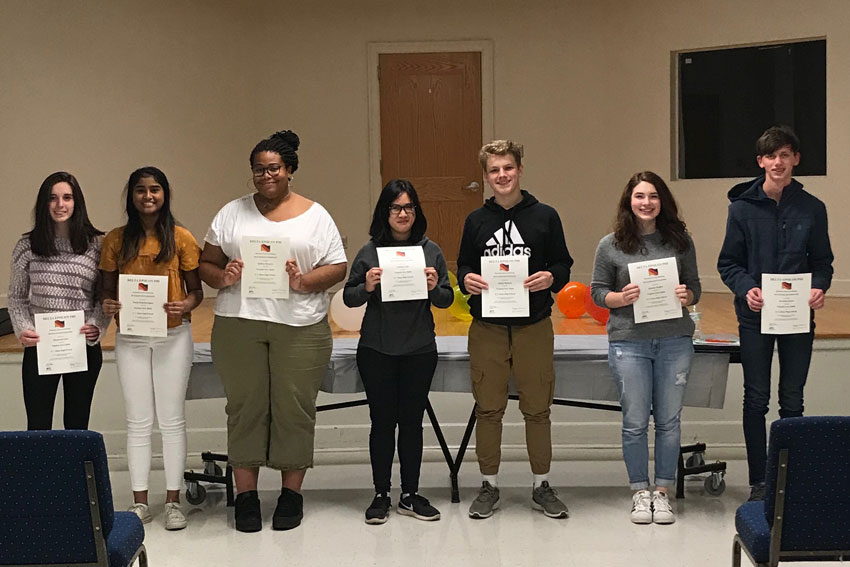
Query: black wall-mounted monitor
x=728 y=97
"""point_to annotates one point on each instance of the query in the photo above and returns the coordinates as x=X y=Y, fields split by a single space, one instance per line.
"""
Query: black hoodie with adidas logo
x=529 y=228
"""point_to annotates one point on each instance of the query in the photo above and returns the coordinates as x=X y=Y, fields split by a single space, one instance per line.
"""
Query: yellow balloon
x=452 y=279
x=459 y=309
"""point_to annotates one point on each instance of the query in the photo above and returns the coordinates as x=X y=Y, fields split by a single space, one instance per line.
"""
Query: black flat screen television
x=728 y=97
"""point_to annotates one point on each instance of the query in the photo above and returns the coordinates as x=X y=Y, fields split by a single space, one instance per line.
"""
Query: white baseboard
x=571 y=442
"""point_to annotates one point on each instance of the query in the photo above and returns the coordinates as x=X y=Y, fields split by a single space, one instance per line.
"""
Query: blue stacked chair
x=56 y=503
x=805 y=515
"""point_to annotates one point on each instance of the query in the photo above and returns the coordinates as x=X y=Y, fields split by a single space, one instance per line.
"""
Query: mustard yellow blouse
x=186 y=258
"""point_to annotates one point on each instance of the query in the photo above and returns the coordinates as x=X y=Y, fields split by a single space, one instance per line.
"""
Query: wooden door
x=431 y=133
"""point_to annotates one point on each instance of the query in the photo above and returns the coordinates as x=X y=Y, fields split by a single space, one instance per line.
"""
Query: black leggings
x=77 y=387
x=397 y=390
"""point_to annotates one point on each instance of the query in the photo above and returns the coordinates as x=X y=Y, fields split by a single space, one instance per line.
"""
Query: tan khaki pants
x=496 y=351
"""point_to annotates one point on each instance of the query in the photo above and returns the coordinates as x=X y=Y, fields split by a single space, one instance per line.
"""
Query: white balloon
x=348 y=318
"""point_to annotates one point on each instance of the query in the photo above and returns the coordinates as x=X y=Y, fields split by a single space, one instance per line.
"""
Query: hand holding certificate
x=657 y=280
x=264 y=271
x=505 y=296
x=61 y=347
x=142 y=305
x=402 y=273
x=786 y=303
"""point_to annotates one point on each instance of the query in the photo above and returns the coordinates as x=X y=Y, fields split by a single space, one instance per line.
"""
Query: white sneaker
x=641 y=507
x=142 y=511
x=174 y=518
x=662 y=512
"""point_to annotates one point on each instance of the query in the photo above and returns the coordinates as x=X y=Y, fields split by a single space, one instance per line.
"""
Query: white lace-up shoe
x=142 y=511
x=642 y=507
x=662 y=512
x=174 y=517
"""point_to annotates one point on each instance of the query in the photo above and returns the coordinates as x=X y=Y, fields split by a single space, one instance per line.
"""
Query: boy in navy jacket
x=774 y=226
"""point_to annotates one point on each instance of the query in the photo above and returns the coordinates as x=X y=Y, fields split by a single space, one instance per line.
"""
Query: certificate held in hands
x=403 y=273
x=264 y=271
x=61 y=347
x=143 y=301
x=786 y=303
x=657 y=280
x=505 y=296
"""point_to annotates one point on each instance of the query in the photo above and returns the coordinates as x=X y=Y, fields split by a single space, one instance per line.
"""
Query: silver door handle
x=474 y=186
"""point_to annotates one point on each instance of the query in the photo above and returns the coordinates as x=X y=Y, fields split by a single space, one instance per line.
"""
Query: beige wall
x=99 y=88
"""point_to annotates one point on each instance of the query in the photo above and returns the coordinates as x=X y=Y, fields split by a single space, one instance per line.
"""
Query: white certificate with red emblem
x=505 y=295
x=143 y=301
x=786 y=308
x=657 y=280
x=402 y=273
x=264 y=271
x=61 y=346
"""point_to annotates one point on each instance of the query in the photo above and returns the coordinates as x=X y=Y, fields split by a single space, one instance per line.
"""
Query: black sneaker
x=378 y=511
x=756 y=492
x=418 y=506
x=289 y=510
x=247 y=514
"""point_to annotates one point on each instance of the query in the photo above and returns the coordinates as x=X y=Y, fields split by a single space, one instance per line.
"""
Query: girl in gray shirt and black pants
x=397 y=352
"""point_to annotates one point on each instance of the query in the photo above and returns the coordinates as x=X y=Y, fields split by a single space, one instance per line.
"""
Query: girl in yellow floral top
x=154 y=371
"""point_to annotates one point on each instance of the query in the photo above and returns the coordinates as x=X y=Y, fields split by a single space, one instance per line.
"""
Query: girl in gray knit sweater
x=650 y=361
x=55 y=268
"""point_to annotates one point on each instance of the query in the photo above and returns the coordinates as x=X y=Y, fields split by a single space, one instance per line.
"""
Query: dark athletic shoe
x=756 y=493
x=289 y=510
x=378 y=511
x=248 y=515
x=545 y=499
x=485 y=503
x=418 y=506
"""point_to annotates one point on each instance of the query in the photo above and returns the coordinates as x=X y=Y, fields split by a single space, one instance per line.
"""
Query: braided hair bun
x=284 y=143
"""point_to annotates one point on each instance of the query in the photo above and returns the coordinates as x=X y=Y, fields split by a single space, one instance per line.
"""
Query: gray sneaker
x=545 y=499
x=486 y=501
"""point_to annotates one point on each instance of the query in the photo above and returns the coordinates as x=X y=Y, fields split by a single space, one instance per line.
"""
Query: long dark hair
x=134 y=232
x=380 y=230
x=81 y=231
x=627 y=235
x=285 y=144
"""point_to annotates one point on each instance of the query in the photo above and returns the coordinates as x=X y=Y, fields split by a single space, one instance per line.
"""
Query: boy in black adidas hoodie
x=513 y=223
x=775 y=227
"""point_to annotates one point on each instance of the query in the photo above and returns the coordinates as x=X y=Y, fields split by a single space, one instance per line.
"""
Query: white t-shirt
x=313 y=241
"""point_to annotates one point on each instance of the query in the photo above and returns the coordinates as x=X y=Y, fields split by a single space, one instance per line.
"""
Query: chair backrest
x=45 y=515
x=816 y=513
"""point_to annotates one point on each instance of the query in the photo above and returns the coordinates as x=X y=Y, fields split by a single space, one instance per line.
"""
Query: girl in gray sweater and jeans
x=650 y=361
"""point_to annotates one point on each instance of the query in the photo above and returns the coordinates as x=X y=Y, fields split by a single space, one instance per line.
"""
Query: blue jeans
x=651 y=377
x=795 y=354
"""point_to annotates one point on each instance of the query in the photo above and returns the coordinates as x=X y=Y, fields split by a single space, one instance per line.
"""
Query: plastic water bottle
x=696 y=316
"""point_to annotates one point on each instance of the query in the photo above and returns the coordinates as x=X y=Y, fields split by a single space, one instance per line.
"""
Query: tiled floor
x=597 y=533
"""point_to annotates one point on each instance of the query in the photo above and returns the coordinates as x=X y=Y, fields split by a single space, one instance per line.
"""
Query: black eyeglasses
x=260 y=171
x=396 y=210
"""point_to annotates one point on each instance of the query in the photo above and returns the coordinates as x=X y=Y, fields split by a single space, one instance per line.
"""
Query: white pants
x=154 y=373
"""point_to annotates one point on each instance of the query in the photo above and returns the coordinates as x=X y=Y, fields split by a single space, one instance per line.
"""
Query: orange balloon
x=599 y=313
x=571 y=300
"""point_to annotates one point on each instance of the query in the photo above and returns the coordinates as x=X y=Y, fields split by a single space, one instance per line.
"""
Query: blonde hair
x=500 y=148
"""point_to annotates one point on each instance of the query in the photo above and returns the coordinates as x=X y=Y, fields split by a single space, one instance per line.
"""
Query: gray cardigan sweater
x=611 y=273
x=398 y=327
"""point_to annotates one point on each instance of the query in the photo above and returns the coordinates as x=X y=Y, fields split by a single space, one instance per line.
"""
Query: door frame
x=484 y=46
